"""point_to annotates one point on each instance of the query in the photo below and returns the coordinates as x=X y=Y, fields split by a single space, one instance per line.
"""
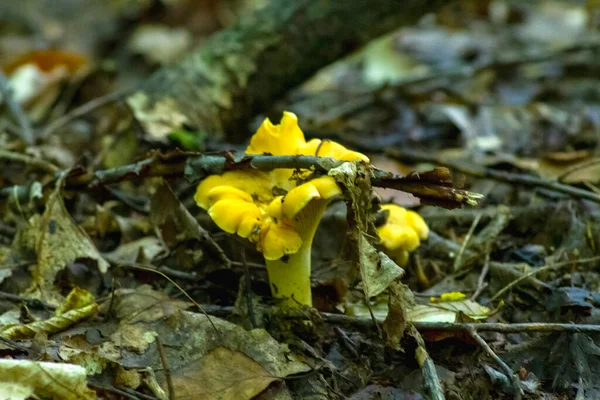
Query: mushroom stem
x=289 y=276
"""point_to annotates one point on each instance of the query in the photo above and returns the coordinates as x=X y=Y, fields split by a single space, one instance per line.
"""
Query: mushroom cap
x=275 y=210
x=287 y=139
x=402 y=232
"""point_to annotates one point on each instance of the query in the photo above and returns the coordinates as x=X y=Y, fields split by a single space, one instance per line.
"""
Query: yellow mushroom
x=402 y=232
x=280 y=210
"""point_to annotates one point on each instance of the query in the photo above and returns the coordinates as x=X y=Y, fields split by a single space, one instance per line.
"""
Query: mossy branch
x=242 y=70
x=433 y=187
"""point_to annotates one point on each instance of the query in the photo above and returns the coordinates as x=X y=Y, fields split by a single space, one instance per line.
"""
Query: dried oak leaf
x=24 y=379
x=222 y=374
x=58 y=241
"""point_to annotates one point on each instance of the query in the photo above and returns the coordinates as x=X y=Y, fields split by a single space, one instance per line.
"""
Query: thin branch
x=135 y=393
x=481 y=280
x=15 y=345
x=29 y=302
x=166 y=369
x=434 y=187
x=465 y=243
x=519 y=280
x=114 y=390
x=431 y=381
x=248 y=291
x=555 y=266
x=26 y=130
x=413 y=155
x=28 y=160
x=367 y=323
x=84 y=109
x=507 y=370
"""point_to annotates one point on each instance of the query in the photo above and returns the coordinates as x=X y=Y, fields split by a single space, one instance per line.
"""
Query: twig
x=482 y=172
x=434 y=187
x=443 y=249
x=248 y=291
x=14 y=345
x=16 y=110
x=481 y=280
x=153 y=385
x=502 y=62
x=252 y=265
x=519 y=280
x=508 y=328
x=507 y=370
x=543 y=269
x=136 y=393
x=84 y=109
x=367 y=323
x=431 y=381
x=114 y=390
x=459 y=256
x=166 y=369
x=24 y=158
x=188 y=276
x=347 y=343
x=29 y=302
x=144 y=268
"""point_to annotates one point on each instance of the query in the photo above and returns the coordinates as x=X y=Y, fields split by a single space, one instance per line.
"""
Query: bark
x=242 y=70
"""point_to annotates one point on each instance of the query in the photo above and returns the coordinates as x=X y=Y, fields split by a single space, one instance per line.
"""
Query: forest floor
x=115 y=284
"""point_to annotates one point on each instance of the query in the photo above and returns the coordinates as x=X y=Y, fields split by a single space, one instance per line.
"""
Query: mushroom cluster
x=280 y=210
x=401 y=233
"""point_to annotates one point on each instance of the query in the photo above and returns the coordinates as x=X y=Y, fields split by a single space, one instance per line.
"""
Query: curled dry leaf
x=449 y=308
x=57 y=241
x=24 y=379
x=377 y=270
x=56 y=324
x=449 y=311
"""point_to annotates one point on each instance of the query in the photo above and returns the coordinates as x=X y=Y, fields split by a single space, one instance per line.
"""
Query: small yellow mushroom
x=402 y=232
x=280 y=210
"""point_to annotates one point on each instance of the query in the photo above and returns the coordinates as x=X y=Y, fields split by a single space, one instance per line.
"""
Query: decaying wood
x=242 y=70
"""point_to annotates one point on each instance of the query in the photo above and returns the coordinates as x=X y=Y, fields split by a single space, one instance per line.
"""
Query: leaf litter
x=92 y=274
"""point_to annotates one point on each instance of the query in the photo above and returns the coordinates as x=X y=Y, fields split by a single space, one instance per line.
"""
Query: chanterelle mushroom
x=401 y=232
x=280 y=210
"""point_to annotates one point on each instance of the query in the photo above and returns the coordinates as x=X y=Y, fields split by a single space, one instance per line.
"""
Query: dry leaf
x=222 y=374
x=143 y=304
x=59 y=241
x=140 y=251
x=377 y=270
x=23 y=379
x=160 y=44
x=49 y=326
x=401 y=299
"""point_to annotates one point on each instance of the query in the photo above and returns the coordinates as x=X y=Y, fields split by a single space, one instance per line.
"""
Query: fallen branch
x=242 y=70
x=367 y=323
x=430 y=377
x=514 y=379
x=434 y=187
x=488 y=173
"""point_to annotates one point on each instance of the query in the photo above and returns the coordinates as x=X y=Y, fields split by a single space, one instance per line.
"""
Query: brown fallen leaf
x=222 y=374
x=143 y=304
x=24 y=379
x=58 y=240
